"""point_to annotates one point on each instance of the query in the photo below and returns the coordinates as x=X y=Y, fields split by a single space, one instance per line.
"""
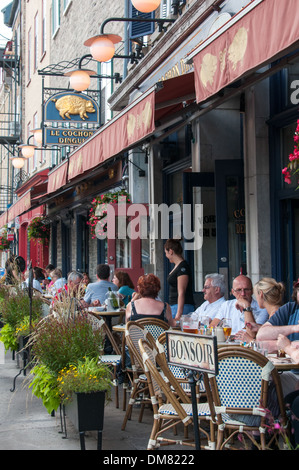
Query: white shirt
x=35 y=284
x=228 y=310
x=58 y=285
x=209 y=309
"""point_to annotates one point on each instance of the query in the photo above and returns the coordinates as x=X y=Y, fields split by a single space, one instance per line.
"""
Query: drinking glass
x=227 y=328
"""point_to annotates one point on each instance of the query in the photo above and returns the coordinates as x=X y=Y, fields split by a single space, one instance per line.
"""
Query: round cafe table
x=108 y=315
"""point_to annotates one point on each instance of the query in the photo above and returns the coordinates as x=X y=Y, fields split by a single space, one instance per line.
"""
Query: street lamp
x=146 y=6
x=102 y=46
x=38 y=135
x=17 y=162
x=80 y=79
x=28 y=149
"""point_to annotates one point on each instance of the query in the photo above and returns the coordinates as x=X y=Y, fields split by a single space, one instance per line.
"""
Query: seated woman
x=35 y=284
x=125 y=285
x=269 y=295
x=145 y=303
x=58 y=281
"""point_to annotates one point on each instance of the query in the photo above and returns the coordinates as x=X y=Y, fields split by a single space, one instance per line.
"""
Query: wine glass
x=227 y=328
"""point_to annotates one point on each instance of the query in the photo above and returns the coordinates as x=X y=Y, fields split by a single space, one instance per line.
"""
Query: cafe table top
x=107 y=313
x=120 y=328
x=280 y=363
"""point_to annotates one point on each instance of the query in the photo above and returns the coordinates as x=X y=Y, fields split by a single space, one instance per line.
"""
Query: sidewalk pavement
x=26 y=425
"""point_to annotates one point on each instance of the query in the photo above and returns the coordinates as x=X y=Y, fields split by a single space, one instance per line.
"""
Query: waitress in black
x=180 y=281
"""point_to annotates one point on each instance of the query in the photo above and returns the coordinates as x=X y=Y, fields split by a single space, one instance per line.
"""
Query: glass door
x=290 y=244
x=198 y=188
x=230 y=221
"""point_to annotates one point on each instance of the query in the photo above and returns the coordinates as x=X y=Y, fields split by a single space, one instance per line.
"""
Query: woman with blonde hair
x=269 y=295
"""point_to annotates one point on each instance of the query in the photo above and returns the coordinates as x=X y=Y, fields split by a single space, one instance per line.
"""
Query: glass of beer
x=190 y=325
x=227 y=328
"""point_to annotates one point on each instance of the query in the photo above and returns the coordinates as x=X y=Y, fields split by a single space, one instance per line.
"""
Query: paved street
x=26 y=425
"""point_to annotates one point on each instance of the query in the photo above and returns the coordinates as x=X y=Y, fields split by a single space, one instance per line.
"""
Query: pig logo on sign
x=70 y=104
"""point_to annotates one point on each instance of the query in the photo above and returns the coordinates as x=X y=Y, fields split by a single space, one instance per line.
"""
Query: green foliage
x=97 y=214
x=58 y=342
x=38 y=230
x=8 y=337
x=4 y=243
x=44 y=386
x=86 y=376
x=17 y=307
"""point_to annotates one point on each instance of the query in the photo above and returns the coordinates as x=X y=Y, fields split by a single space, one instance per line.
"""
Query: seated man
x=242 y=310
x=282 y=330
x=71 y=287
x=284 y=322
x=290 y=347
x=95 y=293
x=214 y=288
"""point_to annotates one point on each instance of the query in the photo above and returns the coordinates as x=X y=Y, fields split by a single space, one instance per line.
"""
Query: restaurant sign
x=62 y=136
x=70 y=106
x=192 y=351
x=75 y=110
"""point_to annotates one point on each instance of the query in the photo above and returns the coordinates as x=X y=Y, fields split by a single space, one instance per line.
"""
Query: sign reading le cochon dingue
x=71 y=108
x=190 y=351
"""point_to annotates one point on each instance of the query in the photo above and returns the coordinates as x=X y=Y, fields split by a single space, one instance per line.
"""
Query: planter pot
x=86 y=412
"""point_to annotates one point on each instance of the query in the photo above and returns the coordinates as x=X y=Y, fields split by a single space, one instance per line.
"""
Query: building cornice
x=179 y=31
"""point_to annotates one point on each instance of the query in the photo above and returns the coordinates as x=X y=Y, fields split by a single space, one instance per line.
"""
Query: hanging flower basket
x=4 y=242
x=39 y=231
x=97 y=214
x=293 y=168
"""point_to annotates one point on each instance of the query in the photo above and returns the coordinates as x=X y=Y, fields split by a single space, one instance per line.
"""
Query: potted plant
x=15 y=316
x=292 y=168
x=66 y=350
x=97 y=214
x=4 y=242
x=84 y=387
x=38 y=230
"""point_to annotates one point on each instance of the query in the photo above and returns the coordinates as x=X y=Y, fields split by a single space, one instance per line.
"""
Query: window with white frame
x=36 y=42
x=28 y=159
x=35 y=155
x=29 y=56
x=106 y=90
x=165 y=8
x=55 y=16
x=44 y=28
x=66 y=3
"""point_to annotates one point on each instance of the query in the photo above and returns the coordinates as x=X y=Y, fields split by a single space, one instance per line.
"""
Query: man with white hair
x=213 y=289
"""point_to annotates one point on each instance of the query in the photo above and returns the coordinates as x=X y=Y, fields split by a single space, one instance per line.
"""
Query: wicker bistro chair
x=112 y=360
x=139 y=386
x=177 y=408
x=241 y=388
x=136 y=377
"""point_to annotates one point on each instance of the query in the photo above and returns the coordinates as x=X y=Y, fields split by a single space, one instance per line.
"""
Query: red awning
x=3 y=219
x=28 y=216
x=58 y=177
x=257 y=38
x=22 y=205
x=131 y=126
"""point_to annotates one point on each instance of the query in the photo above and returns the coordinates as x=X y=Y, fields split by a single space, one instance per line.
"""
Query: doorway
x=290 y=242
x=230 y=220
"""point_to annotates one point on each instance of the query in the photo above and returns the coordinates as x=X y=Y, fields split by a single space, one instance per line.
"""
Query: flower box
x=86 y=412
